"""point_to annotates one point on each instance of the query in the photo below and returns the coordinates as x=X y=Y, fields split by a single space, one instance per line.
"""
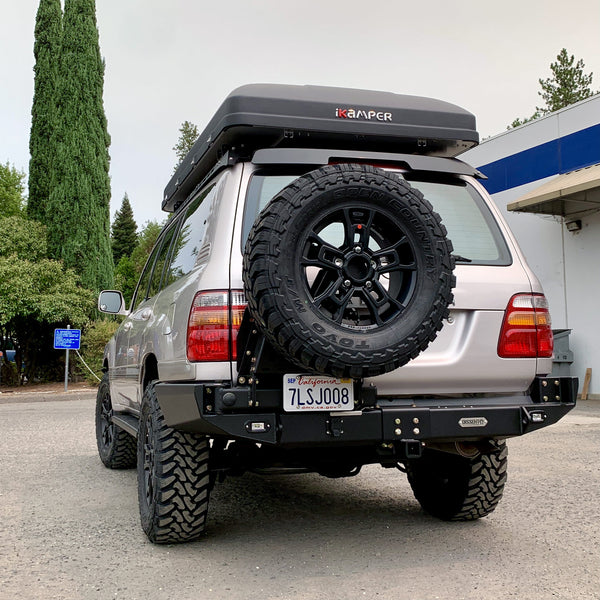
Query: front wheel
x=116 y=447
x=173 y=477
x=456 y=488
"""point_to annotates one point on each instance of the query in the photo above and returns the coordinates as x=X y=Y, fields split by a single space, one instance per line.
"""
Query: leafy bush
x=94 y=338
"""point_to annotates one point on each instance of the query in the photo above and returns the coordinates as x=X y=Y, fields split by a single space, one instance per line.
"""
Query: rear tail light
x=213 y=325
x=526 y=329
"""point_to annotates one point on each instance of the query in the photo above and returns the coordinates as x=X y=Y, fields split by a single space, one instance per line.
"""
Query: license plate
x=317 y=392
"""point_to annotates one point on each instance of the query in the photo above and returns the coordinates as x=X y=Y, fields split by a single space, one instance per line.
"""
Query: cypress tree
x=46 y=49
x=78 y=212
x=124 y=231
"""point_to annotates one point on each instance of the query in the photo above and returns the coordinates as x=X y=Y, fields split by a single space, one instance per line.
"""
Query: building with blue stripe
x=545 y=178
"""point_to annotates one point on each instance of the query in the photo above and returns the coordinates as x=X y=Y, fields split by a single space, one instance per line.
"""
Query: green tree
x=129 y=268
x=12 y=188
x=568 y=85
x=37 y=294
x=188 y=134
x=46 y=49
x=78 y=212
x=124 y=231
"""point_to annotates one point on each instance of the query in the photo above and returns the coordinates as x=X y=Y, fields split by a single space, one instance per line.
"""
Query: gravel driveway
x=69 y=527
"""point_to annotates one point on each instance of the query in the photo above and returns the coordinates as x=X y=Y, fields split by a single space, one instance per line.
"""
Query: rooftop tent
x=267 y=116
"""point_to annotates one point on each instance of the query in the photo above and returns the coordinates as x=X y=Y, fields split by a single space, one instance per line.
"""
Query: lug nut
x=338 y=262
x=347 y=283
x=357 y=249
x=369 y=285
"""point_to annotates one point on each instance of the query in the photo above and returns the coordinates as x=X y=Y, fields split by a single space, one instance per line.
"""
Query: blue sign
x=67 y=339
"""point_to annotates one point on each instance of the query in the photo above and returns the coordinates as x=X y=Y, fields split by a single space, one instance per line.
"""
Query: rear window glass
x=476 y=237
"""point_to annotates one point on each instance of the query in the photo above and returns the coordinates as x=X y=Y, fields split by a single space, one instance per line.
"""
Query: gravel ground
x=69 y=528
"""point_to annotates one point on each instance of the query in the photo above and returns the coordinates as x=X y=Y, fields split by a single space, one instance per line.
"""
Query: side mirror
x=111 y=302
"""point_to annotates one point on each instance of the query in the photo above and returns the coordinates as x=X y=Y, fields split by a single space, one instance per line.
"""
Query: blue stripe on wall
x=574 y=151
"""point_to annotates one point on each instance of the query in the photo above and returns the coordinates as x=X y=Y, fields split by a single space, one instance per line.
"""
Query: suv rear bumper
x=196 y=407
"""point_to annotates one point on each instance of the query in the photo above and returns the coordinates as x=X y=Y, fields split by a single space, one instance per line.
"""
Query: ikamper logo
x=367 y=115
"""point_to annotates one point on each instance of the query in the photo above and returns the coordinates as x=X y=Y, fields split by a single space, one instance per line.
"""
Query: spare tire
x=348 y=271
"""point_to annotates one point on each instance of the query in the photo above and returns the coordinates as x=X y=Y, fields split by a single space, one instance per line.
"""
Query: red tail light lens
x=527 y=329
x=215 y=318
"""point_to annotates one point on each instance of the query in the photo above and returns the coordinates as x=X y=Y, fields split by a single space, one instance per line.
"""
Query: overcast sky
x=168 y=61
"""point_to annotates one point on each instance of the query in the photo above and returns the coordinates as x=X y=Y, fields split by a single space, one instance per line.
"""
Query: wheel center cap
x=357 y=268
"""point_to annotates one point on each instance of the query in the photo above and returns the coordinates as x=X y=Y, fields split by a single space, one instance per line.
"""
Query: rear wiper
x=459 y=258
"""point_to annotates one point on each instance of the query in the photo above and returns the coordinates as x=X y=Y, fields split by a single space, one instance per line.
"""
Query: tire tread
x=182 y=481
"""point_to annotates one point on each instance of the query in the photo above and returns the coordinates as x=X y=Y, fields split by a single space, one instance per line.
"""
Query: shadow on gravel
x=308 y=505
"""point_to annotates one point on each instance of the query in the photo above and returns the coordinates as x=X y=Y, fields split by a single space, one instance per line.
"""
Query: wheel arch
x=149 y=371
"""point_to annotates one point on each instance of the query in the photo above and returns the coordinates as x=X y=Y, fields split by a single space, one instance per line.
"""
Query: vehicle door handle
x=127 y=325
x=146 y=314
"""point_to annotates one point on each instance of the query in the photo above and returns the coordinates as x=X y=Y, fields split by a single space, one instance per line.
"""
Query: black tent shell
x=271 y=115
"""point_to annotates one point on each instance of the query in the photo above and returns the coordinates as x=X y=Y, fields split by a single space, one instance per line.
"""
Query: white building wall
x=567 y=263
x=582 y=267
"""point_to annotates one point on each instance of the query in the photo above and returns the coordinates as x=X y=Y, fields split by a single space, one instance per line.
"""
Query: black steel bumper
x=246 y=413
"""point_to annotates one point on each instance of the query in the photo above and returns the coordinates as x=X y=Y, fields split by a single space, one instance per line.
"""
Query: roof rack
x=292 y=116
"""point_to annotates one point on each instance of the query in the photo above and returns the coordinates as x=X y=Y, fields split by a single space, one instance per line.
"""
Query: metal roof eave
x=565 y=195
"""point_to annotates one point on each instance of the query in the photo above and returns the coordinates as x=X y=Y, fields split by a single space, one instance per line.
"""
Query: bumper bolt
x=416 y=431
x=397 y=431
x=397 y=421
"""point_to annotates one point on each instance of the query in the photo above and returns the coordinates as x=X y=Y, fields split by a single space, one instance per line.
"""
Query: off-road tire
x=380 y=296
x=173 y=477
x=116 y=447
x=456 y=488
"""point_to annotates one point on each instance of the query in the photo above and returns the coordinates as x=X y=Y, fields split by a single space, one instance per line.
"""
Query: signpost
x=67 y=339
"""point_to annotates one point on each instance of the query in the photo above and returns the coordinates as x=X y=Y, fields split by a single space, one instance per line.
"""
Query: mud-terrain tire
x=456 y=488
x=173 y=477
x=117 y=448
x=348 y=271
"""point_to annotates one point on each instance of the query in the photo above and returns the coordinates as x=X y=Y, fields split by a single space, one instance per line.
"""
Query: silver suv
x=334 y=289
